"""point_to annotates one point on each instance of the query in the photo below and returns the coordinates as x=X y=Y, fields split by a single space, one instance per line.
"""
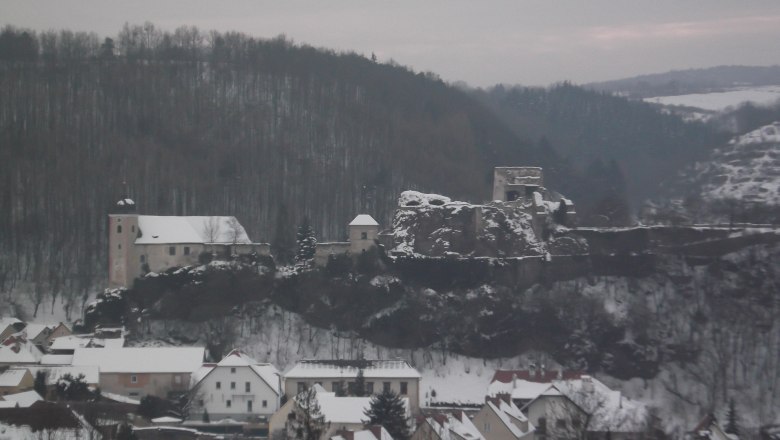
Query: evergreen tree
x=206 y=418
x=360 y=384
x=307 y=243
x=732 y=427
x=306 y=422
x=387 y=409
x=40 y=383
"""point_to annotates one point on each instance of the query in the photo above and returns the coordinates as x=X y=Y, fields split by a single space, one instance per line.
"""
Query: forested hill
x=210 y=123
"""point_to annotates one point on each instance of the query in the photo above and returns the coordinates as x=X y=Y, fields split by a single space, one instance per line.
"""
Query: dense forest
x=205 y=123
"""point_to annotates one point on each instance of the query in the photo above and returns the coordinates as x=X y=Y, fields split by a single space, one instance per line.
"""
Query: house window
x=133 y=394
x=487 y=427
x=364 y=235
x=172 y=250
x=219 y=385
x=232 y=385
x=403 y=388
x=248 y=406
x=351 y=388
x=370 y=387
x=119 y=246
x=228 y=403
x=132 y=228
x=541 y=425
x=386 y=387
x=142 y=258
x=186 y=250
x=233 y=370
x=265 y=404
x=133 y=379
x=301 y=387
x=247 y=387
x=335 y=387
x=118 y=229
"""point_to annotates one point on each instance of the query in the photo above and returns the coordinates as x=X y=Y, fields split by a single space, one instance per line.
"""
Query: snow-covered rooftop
x=348 y=369
x=236 y=358
x=5 y=322
x=56 y=359
x=363 y=220
x=459 y=424
x=365 y=434
x=54 y=373
x=141 y=359
x=33 y=330
x=24 y=399
x=156 y=229
x=21 y=352
x=12 y=377
x=345 y=409
x=511 y=416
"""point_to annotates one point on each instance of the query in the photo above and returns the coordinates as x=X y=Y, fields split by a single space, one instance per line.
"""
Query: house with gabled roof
x=15 y=380
x=10 y=326
x=586 y=405
x=237 y=387
x=140 y=371
x=525 y=385
x=500 y=419
x=340 y=374
x=362 y=231
x=43 y=334
x=153 y=243
x=454 y=425
x=16 y=350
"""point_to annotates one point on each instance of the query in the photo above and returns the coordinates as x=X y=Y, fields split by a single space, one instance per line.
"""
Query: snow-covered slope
x=718 y=101
x=746 y=170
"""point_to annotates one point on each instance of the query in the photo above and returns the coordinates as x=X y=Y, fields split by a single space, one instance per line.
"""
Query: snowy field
x=765 y=95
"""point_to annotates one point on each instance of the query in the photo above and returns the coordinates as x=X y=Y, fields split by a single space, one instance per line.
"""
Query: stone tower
x=123 y=264
x=516 y=183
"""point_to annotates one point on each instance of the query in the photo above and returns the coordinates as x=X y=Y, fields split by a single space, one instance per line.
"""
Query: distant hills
x=681 y=82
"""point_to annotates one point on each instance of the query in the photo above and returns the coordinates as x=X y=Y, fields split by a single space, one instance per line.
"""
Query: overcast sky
x=531 y=42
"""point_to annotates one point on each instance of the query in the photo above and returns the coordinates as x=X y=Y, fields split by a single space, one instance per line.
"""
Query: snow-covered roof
x=363 y=220
x=33 y=330
x=345 y=409
x=458 y=423
x=610 y=410
x=526 y=384
x=141 y=359
x=12 y=377
x=157 y=229
x=511 y=416
x=416 y=198
x=25 y=399
x=69 y=342
x=349 y=369
x=8 y=404
x=373 y=433
x=126 y=202
x=56 y=359
x=54 y=373
x=119 y=398
x=20 y=352
x=166 y=419
x=238 y=359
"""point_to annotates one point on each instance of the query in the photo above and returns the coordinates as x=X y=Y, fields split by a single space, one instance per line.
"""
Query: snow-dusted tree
x=211 y=229
x=306 y=422
x=387 y=409
x=234 y=230
x=732 y=417
x=359 y=390
x=307 y=243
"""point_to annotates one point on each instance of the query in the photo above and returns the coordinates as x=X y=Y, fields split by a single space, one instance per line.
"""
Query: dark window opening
x=437 y=202
x=370 y=387
x=364 y=235
x=301 y=387
x=511 y=196
x=404 y=389
x=118 y=229
x=529 y=190
x=142 y=258
x=172 y=250
x=186 y=250
x=248 y=406
x=247 y=387
x=232 y=385
x=219 y=385
x=385 y=386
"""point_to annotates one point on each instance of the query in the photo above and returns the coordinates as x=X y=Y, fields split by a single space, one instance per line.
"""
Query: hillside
x=217 y=124
x=682 y=82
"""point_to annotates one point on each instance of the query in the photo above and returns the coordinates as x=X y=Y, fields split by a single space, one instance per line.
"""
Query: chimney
x=514 y=380
x=587 y=384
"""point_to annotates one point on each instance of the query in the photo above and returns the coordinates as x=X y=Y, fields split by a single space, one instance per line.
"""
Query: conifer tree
x=306 y=421
x=360 y=384
x=387 y=409
x=307 y=243
x=40 y=383
x=732 y=426
x=206 y=418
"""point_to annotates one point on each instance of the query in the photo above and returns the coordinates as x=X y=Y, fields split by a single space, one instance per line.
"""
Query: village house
x=339 y=413
x=238 y=387
x=334 y=375
x=17 y=350
x=525 y=385
x=42 y=335
x=10 y=326
x=142 y=371
x=569 y=408
x=362 y=232
x=500 y=419
x=15 y=380
x=446 y=426
x=138 y=244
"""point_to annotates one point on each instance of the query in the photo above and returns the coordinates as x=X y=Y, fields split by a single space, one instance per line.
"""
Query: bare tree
x=211 y=229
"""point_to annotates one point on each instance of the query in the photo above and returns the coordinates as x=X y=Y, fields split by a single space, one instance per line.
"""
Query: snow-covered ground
x=717 y=101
